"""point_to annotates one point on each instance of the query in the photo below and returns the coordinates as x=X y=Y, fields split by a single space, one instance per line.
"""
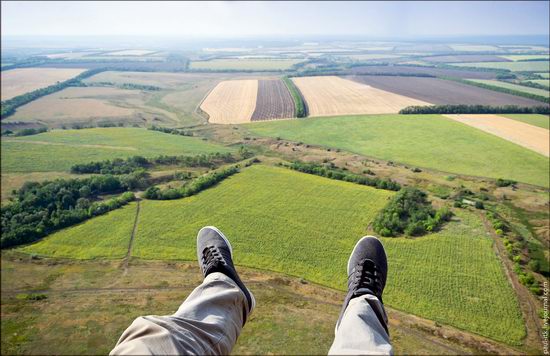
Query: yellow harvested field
x=231 y=102
x=20 y=81
x=529 y=136
x=76 y=103
x=331 y=96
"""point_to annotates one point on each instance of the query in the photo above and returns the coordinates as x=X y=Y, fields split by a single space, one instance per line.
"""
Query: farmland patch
x=441 y=91
x=531 y=119
x=459 y=58
x=58 y=150
x=231 y=102
x=331 y=95
x=533 y=66
x=23 y=80
x=416 y=70
x=273 y=101
x=528 y=136
x=332 y=216
x=516 y=87
x=245 y=64
x=130 y=52
x=429 y=141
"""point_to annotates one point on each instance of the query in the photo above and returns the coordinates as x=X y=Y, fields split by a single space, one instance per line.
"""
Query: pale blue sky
x=215 y=19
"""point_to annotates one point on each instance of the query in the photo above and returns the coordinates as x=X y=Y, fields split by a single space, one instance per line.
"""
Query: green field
x=429 y=141
x=536 y=66
x=464 y=285
x=517 y=87
x=544 y=82
x=58 y=150
x=245 y=64
x=544 y=75
x=531 y=119
x=88 y=239
x=522 y=57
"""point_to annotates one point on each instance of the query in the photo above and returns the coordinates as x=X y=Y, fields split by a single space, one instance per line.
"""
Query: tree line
x=505 y=90
x=39 y=209
x=170 y=131
x=331 y=172
x=128 y=165
x=475 y=109
x=299 y=103
x=199 y=184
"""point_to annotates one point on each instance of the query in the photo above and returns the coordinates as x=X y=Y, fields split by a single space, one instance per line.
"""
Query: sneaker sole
x=231 y=251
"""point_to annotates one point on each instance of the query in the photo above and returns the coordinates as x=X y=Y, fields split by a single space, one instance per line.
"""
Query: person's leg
x=362 y=325
x=209 y=320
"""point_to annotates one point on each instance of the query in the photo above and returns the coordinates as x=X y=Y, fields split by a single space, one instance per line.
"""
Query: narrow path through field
x=128 y=256
x=527 y=304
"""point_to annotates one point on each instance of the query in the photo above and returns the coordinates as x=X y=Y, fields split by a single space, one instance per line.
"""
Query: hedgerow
x=474 y=109
x=329 y=171
x=199 y=184
x=299 y=104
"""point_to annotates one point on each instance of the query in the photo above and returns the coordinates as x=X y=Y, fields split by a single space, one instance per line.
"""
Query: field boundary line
x=128 y=256
x=525 y=298
x=198 y=107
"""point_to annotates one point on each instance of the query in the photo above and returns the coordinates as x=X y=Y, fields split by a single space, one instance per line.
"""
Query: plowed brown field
x=529 y=136
x=231 y=102
x=274 y=101
x=330 y=95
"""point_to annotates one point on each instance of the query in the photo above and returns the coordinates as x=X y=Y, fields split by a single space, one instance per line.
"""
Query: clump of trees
x=409 y=212
x=171 y=131
x=330 y=171
x=299 y=103
x=199 y=184
x=25 y=132
x=475 y=109
x=8 y=106
x=132 y=164
x=42 y=208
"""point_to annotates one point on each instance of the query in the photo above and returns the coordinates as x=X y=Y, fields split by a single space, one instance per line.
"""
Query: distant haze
x=247 y=19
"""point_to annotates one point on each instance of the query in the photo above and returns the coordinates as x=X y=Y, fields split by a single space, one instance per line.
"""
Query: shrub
x=409 y=212
x=479 y=205
x=505 y=182
x=330 y=171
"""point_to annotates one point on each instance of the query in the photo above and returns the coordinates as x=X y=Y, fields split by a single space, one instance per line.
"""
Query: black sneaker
x=367 y=271
x=214 y=253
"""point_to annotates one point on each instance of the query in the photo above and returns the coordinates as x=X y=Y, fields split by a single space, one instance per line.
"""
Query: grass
x=245 y=64
x=536 y=66
x=90 y=319
x=58 y=150
x=544 y=75
x=544 y=82
x=521 y=88
x=463 y=283
x=472 y=47
x=428 y=141
x=531 y=119
x=88 y=239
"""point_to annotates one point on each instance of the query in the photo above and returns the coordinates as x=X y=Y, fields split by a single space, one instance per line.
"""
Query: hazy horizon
x=196 y=20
